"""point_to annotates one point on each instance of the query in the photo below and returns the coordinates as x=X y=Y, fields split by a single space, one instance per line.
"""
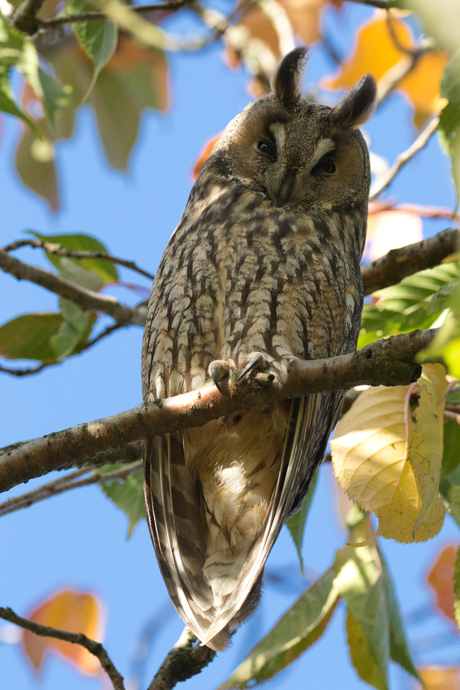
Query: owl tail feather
x=215 y=585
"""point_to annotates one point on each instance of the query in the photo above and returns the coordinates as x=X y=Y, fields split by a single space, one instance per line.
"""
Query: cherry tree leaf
x=389 y=467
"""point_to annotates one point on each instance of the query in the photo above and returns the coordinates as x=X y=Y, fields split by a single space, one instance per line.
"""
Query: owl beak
x=286 y=191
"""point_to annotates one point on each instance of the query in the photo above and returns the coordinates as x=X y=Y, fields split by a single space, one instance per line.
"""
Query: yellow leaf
x=441 y=678
x=440 y=579
x=388 y=467
x=387 y=230
x=377 y=52
x=71 y=611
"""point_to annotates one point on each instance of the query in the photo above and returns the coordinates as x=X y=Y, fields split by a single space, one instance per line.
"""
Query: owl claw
x=218 y=370
x=257 y=361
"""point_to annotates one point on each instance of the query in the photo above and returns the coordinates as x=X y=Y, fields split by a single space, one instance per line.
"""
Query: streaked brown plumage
x=262 y=269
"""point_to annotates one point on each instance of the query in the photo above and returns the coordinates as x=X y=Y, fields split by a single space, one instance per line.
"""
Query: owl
x=261 y=272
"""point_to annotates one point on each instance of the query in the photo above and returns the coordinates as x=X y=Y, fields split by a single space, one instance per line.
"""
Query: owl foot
x=257 y=361
x=218 y=370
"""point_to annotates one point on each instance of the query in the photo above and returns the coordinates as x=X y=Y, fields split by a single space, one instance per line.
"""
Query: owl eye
x=266 y=148
x=327 y=166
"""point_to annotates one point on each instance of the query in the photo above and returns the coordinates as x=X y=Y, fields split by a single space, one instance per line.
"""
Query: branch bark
x=387 y=362
x=94 y=648
x=85 y=299
x=399 y=263
x=186 y=659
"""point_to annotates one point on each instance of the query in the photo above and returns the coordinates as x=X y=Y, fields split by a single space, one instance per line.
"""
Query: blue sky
x=79 y=539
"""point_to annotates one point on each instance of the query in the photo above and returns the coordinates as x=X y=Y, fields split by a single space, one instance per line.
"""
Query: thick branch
x=85 y=299
x=186 y=659
x=94 y=648
x=388 y=362
x=25 y=17
x=91 y=16
x=399 y=263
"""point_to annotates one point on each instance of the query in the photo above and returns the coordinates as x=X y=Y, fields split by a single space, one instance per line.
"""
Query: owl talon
x=257 y=361
x=218 y=370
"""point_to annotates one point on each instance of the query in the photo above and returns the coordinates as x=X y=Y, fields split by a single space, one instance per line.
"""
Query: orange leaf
x=72 y=611
x=206 y=150
x=388 y=230
x=440 y=678
x=377 y=51
x=440 y=579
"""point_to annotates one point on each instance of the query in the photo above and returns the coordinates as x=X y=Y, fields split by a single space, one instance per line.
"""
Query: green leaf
x=97 y=38
x=74 y=331
x=450 y=494
x=35 y=165
x=449 y=136
x=8 y=105
x=53 y=94
x=361 y=656
x=296 y=524
x=406 y=306
x=28 y=337
x=451 y=454
x=127 y=494
x=297 y=630
x=105 y=270
x=457 y=588
x=399 y=648
x=447 y=342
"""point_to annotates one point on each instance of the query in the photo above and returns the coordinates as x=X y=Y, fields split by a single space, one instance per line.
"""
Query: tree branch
x=399 y=263
x=186 y=659
x=421 y=141
x=94 y=648
x=83 y=298
x=91 y=16
x=387 y=362
x=25 y=17
x=381 y=4
x=57 y=249
x=67 y=483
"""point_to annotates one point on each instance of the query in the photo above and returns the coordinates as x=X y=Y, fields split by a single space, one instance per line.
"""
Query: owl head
x=300 y=153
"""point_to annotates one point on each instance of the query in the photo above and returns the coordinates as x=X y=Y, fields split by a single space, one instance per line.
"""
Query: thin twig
x=67 y=483
x=452 y=416
x=402 y=262
x=93 y=647
x=416 y=209
x=25 y=17
x=186 y=659
x=386 y=362
x=381 y=4
x=404 y=158
x=28 y=372
x=57 y=249
x=91 y=16
x=83 y=298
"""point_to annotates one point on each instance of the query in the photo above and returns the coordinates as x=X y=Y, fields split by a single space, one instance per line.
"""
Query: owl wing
x=177 y=524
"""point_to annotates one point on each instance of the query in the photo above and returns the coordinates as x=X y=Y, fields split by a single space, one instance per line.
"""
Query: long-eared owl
x=262 y=270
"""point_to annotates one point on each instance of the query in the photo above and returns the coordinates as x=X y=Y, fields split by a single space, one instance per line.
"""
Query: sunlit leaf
x=389 y=467
x=98 y=38
x=105 y=270
x=440 y=579
x=451 y=453
x=297 y=630
x=296 y=524
x=441 y=20
x=127 y=495
x=71 y=611
x=376 y=52
x=36 y=167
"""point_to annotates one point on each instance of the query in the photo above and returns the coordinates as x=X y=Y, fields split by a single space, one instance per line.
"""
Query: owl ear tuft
x=358 y=105
x=286 y=79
